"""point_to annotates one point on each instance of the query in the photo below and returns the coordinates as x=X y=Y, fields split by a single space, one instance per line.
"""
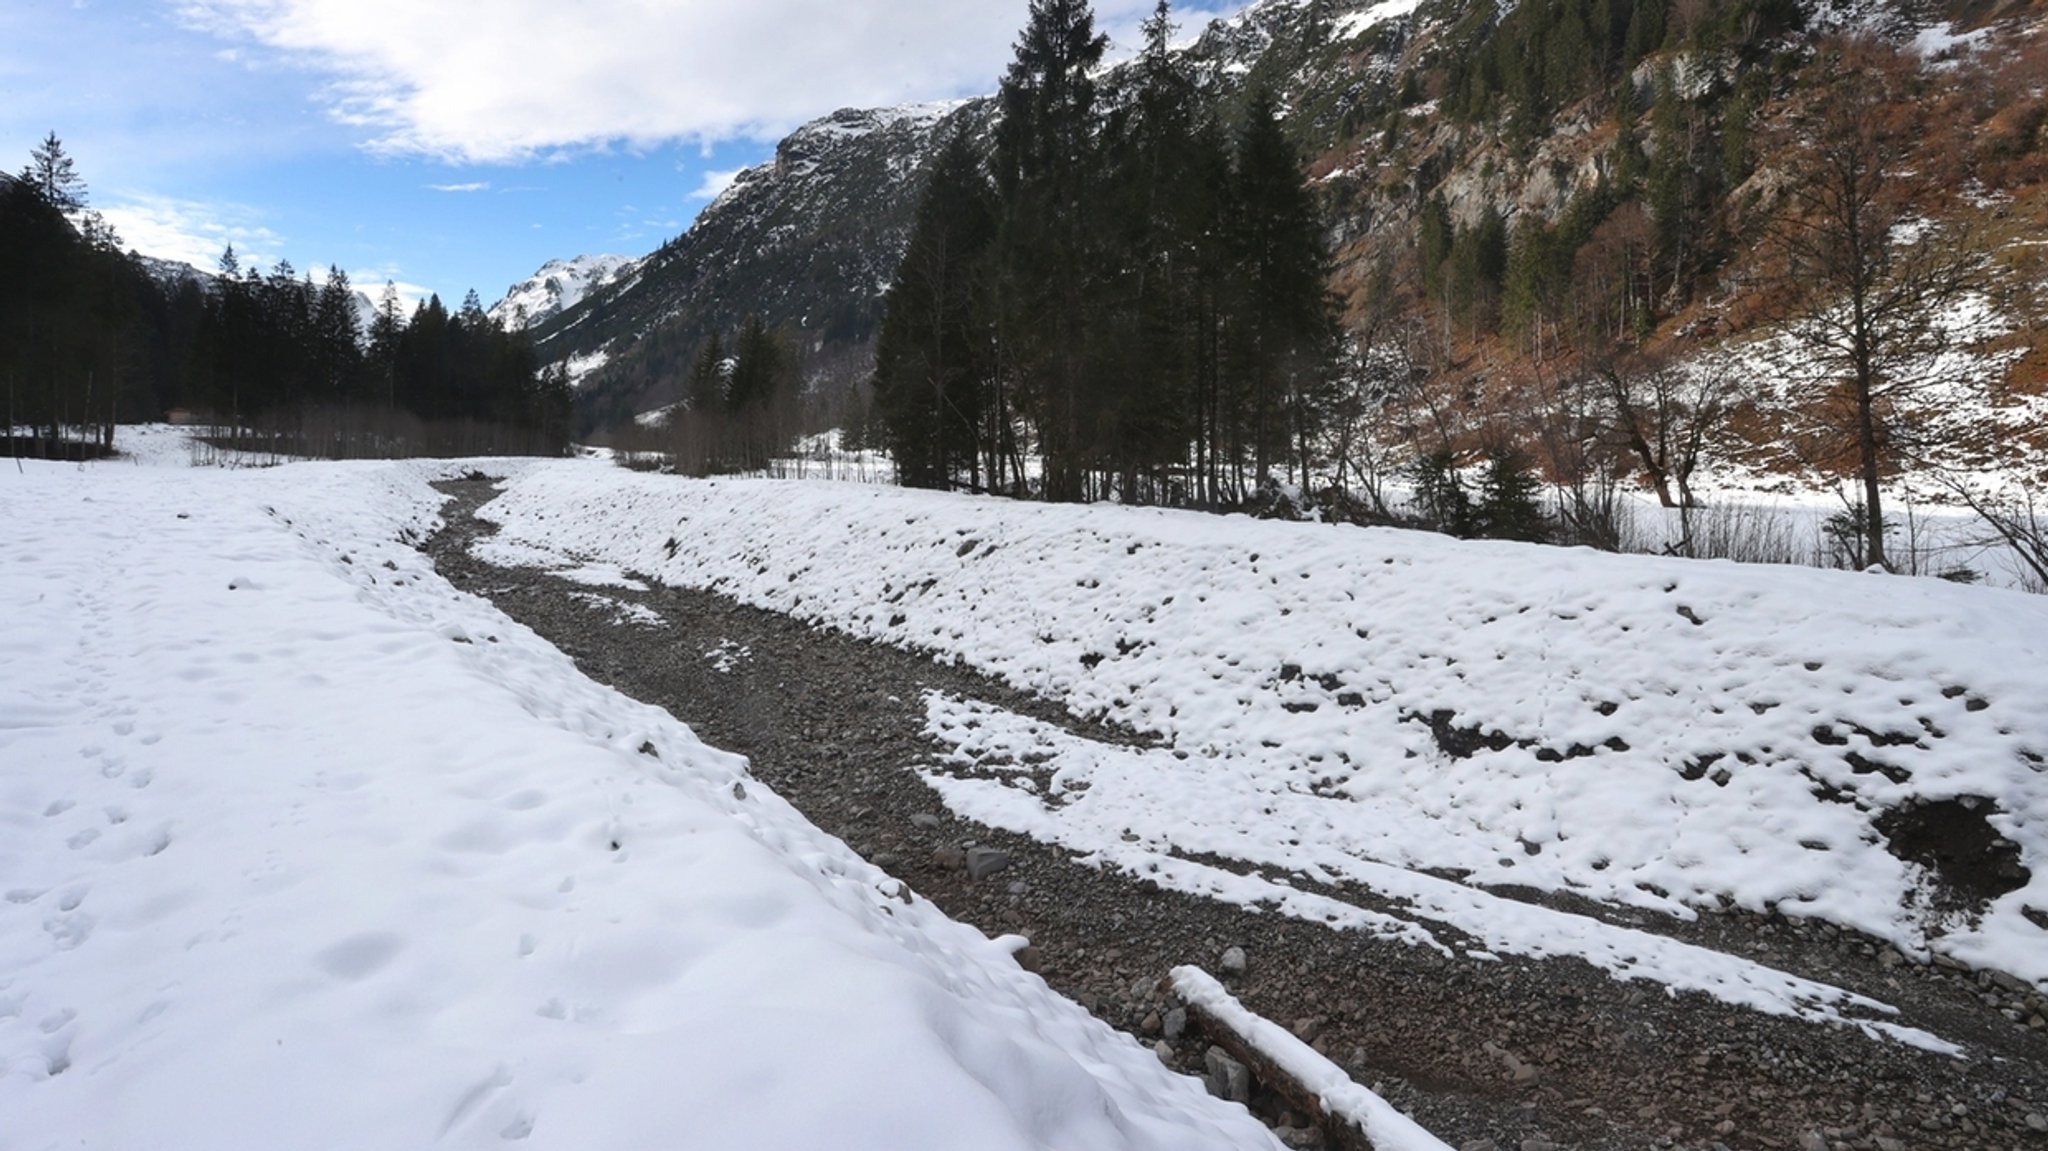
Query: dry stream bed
x=1512 y=1055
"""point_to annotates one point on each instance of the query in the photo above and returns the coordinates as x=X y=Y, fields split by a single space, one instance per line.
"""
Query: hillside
x=1496 y=202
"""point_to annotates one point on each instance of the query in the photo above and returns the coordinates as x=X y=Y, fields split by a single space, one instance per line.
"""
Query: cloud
x=521 y=79
x=478 y=186
x=714 y=184
x=192 y=232
x=370 y=282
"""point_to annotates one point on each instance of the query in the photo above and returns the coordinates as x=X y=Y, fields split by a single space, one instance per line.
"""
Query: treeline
x=90 y=337
x=740 y=408
x=1118 y=296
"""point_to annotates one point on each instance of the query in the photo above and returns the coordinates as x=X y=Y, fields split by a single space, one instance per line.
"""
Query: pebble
x=1175 y=1024
x=1228 y=1079
x=983 y=862
x=1233 y=961
x=925 y=820
x=1813 y=1141
x=2037 y=1122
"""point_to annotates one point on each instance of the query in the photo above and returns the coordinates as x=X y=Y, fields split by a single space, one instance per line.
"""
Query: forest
x=91 y=337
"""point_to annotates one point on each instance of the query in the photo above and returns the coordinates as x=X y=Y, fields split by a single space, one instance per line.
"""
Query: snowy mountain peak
x=559 y=284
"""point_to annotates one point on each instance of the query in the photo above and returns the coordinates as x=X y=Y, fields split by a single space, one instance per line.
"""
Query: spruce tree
x=1045 y=170
x=1287 y=329
x=54 y=176
x=935 y=357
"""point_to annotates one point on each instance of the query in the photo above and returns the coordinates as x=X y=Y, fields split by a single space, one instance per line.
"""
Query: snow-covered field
x=1389 y=709
x=300 y=848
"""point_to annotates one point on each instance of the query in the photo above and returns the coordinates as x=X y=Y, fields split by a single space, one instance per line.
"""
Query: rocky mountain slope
x=557 y=285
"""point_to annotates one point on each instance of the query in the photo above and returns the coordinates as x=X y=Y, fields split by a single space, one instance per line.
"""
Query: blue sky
x=456 y=144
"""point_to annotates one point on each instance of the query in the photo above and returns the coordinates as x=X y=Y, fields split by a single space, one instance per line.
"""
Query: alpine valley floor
x=1499 y=1015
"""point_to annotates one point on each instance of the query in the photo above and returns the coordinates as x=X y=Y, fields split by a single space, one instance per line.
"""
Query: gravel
x=1515 y=1053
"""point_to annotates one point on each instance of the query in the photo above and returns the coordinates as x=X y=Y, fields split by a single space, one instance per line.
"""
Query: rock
x=1299 y=1136
x=1233 y=961
x=1228 y=1079
x=1150 y=1024
x=1307 y=1029
x=925 y=820
x=1481 y=1144
x=886 y=860
x=1537 y=1143
x=1164 y=1050
x=951 y=858
x=2037 y=1122
x=1175 y=1024
x=983 y=862
x=1029 y=958
x=1813 y=1141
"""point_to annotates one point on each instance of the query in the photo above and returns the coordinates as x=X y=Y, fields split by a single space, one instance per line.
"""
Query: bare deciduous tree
x=1878 y=276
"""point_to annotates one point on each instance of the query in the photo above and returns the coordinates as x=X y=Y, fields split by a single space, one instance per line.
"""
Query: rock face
x=559 y=284
x=808 y=241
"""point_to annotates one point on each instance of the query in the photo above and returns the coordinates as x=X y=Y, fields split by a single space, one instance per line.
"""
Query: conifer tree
x=1287 y=322
x=1045 y=168
x=54 y=176
x=935 y=356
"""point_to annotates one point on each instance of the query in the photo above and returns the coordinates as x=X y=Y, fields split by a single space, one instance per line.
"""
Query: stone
x=1228 y=1079
x=1151 y=1024
x=951 y=858
x=925 y=820
x=1030 y=958
x=1175 y=1024
x=1813 y=1141
x=2037 y=1122
x=1537 y=1143
x=1233 y=961
x=1481 y=1144
x=983 y=862
x=1299 y=1136
x=1164 y=1050
x=886 y=860
x=1307 y=1029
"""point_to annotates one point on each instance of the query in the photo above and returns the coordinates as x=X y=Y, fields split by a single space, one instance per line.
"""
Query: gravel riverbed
x=1508 y=1055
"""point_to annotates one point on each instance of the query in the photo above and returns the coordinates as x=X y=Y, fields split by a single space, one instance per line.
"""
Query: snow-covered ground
x=1662 y=735
x=301 y=848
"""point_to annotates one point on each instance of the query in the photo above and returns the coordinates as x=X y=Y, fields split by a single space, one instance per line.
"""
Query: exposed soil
x=1515 y=1054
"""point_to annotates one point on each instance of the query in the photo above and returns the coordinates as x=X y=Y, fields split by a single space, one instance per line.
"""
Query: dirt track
x=1511 y=1055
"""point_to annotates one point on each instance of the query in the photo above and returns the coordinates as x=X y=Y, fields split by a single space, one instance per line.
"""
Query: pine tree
x=1045 y=170
x=54 y=176
x=935 y=356
x=1287 y=337
x=704 y=392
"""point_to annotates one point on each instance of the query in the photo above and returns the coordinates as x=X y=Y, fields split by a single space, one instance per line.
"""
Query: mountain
x=808 y=240
x=559 y=284
x=1526 y=127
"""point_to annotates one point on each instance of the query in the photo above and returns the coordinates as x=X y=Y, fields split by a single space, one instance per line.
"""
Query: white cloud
x=192 y=232
x=515 y=79
x=714 y=184
x=370 y=282
x=478 y=186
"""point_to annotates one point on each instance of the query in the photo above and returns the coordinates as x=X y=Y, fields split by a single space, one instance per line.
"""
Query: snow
x=581 y=366
x=558 y=286
x=1352 y=23
x=1676 y=734
x=1383 y=1124
x=299 y=847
